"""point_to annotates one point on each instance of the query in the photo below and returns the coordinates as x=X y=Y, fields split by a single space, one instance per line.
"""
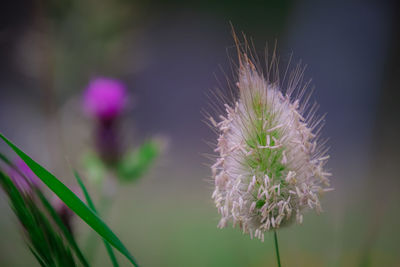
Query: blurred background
x=170 y=54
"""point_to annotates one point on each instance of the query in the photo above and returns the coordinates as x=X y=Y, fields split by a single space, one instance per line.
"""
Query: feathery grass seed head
x=270 y=162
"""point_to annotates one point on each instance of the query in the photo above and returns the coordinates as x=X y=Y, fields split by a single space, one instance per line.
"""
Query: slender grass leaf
x=68 y=235
x=72 y=201
x=12 y=165
x=5 y=159
x=37 y=257
x=47 y=245
x=111 y=254
x=91 y=205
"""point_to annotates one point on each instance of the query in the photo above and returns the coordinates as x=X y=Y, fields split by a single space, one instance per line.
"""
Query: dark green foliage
x=45 y=241
x=65 y=231
x=72 y=201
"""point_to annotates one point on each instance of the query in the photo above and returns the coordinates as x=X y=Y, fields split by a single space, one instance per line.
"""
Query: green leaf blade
x=91 y=205
x=68 y=235
x=72 y=201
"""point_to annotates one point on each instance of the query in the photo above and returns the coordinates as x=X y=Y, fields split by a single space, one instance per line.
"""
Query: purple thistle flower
x=24 y=178
x=105 y=98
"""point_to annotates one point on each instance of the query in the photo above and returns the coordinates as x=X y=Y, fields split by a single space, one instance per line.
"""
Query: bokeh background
x=170 y=54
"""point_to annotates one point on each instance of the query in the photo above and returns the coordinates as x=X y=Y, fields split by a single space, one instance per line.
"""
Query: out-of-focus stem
x=106 y=199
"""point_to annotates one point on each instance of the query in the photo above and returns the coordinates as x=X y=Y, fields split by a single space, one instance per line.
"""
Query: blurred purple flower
x=105 y=98
x=25 y=182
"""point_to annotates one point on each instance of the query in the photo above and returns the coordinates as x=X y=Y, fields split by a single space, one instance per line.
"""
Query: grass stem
x=278 y=258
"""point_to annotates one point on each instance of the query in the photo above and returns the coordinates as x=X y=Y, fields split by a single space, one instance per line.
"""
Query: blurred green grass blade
x=111 y=254
x=85 y=192
x=11 y=190
x=68 y=235
x=54 y=216
x=91 y=205
x=37 y=257
x=12 y=165
x=5 y=159
x=45 y=244
x=72 y=201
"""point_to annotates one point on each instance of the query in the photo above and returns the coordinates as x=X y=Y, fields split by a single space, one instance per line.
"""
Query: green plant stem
x=278 y=258
x=92 y=240
x=105 y=203
x=91 y=205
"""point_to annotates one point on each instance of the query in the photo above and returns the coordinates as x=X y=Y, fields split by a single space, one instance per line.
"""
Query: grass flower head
x=270 y=162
